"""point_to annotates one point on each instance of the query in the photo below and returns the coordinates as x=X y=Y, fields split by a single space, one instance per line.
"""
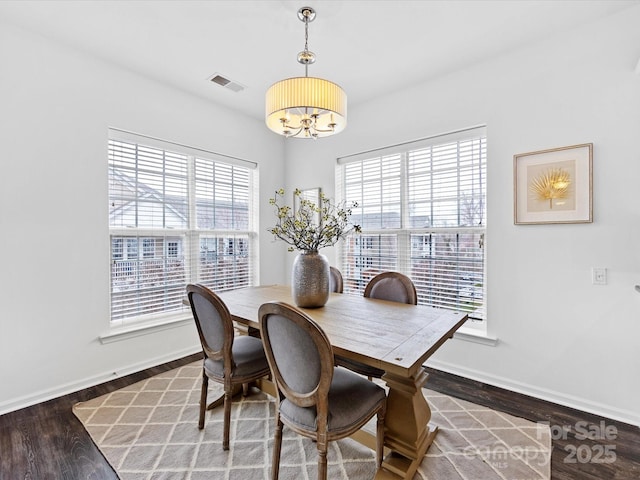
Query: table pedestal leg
x=237 y=389
x=407 y=433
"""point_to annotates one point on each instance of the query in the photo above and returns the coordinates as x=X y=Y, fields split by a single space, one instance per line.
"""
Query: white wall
x=56 y=107
x=560 y=337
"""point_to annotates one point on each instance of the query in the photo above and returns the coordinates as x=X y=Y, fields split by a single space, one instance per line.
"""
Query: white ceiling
x=367 y=47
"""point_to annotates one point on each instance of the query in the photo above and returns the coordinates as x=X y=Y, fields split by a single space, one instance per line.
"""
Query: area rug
x=149 y=431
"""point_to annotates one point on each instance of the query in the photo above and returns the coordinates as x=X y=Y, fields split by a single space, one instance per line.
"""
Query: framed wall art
x=554 y=186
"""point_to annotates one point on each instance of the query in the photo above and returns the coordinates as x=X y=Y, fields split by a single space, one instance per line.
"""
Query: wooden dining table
x=391 y=336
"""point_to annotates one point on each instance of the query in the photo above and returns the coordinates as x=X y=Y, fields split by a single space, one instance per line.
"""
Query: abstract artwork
x=554 y=186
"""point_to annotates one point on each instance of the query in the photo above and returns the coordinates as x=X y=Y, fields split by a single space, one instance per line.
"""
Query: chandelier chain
x=306 y=33
x=306 y=41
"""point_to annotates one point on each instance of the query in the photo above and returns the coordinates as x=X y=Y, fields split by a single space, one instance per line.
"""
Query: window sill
x=475 y=334
x=131 y=331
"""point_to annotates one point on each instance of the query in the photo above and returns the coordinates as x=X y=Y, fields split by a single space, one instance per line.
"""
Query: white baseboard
x=560 y=398
x=44 y=395
x=596 y=408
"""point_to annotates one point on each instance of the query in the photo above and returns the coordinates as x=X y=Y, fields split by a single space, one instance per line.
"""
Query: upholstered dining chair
x=335 y=280
x=233 y=361
x=392 y=286
x=315 y=399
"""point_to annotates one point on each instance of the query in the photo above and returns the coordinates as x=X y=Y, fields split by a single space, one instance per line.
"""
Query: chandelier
x=306 y=107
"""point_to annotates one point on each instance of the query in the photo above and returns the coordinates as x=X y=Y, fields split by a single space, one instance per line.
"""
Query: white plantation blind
x=222 y=195
x=176 y=218
x=148 y=187
x=224 y=204
x=421 y=206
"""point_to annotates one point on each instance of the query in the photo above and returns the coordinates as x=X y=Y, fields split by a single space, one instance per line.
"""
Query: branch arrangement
x=311 y=227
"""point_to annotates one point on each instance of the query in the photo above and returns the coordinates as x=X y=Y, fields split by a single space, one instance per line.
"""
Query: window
x=172 y=249
x=148 y=247
x=176 y=215
x=421 y=206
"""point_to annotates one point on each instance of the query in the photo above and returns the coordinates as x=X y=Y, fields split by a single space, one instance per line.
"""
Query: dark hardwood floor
x=47 y=442
x=611 y=450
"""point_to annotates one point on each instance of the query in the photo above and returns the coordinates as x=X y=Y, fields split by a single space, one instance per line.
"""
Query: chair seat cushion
x=248 y=354
x=351 y=398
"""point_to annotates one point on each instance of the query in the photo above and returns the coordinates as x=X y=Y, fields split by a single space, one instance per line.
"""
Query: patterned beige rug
x=149 y=431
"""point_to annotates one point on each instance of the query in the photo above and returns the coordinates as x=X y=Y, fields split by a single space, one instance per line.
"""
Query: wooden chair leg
x=322 y=460
x=228 y=398
x=277 y=446
x=203 y=399
x=380 y=437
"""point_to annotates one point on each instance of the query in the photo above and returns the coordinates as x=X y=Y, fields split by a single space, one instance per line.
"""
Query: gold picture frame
x=554 y=186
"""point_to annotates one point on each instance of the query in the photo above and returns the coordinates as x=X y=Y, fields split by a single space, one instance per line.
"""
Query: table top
x=394 y=337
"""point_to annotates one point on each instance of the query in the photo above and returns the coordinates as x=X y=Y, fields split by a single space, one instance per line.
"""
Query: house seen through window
x=176 y=215
x=421 y=206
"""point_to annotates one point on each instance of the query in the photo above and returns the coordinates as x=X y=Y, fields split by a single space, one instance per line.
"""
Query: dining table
x=391 y=336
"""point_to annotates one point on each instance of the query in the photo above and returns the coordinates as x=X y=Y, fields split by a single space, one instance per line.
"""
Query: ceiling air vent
x=226 y=83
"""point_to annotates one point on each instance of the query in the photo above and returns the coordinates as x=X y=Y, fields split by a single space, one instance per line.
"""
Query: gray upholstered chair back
x=335 y=280
x=295 y=354
x=298 y=352
x=392 y=286
x=213 y=321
